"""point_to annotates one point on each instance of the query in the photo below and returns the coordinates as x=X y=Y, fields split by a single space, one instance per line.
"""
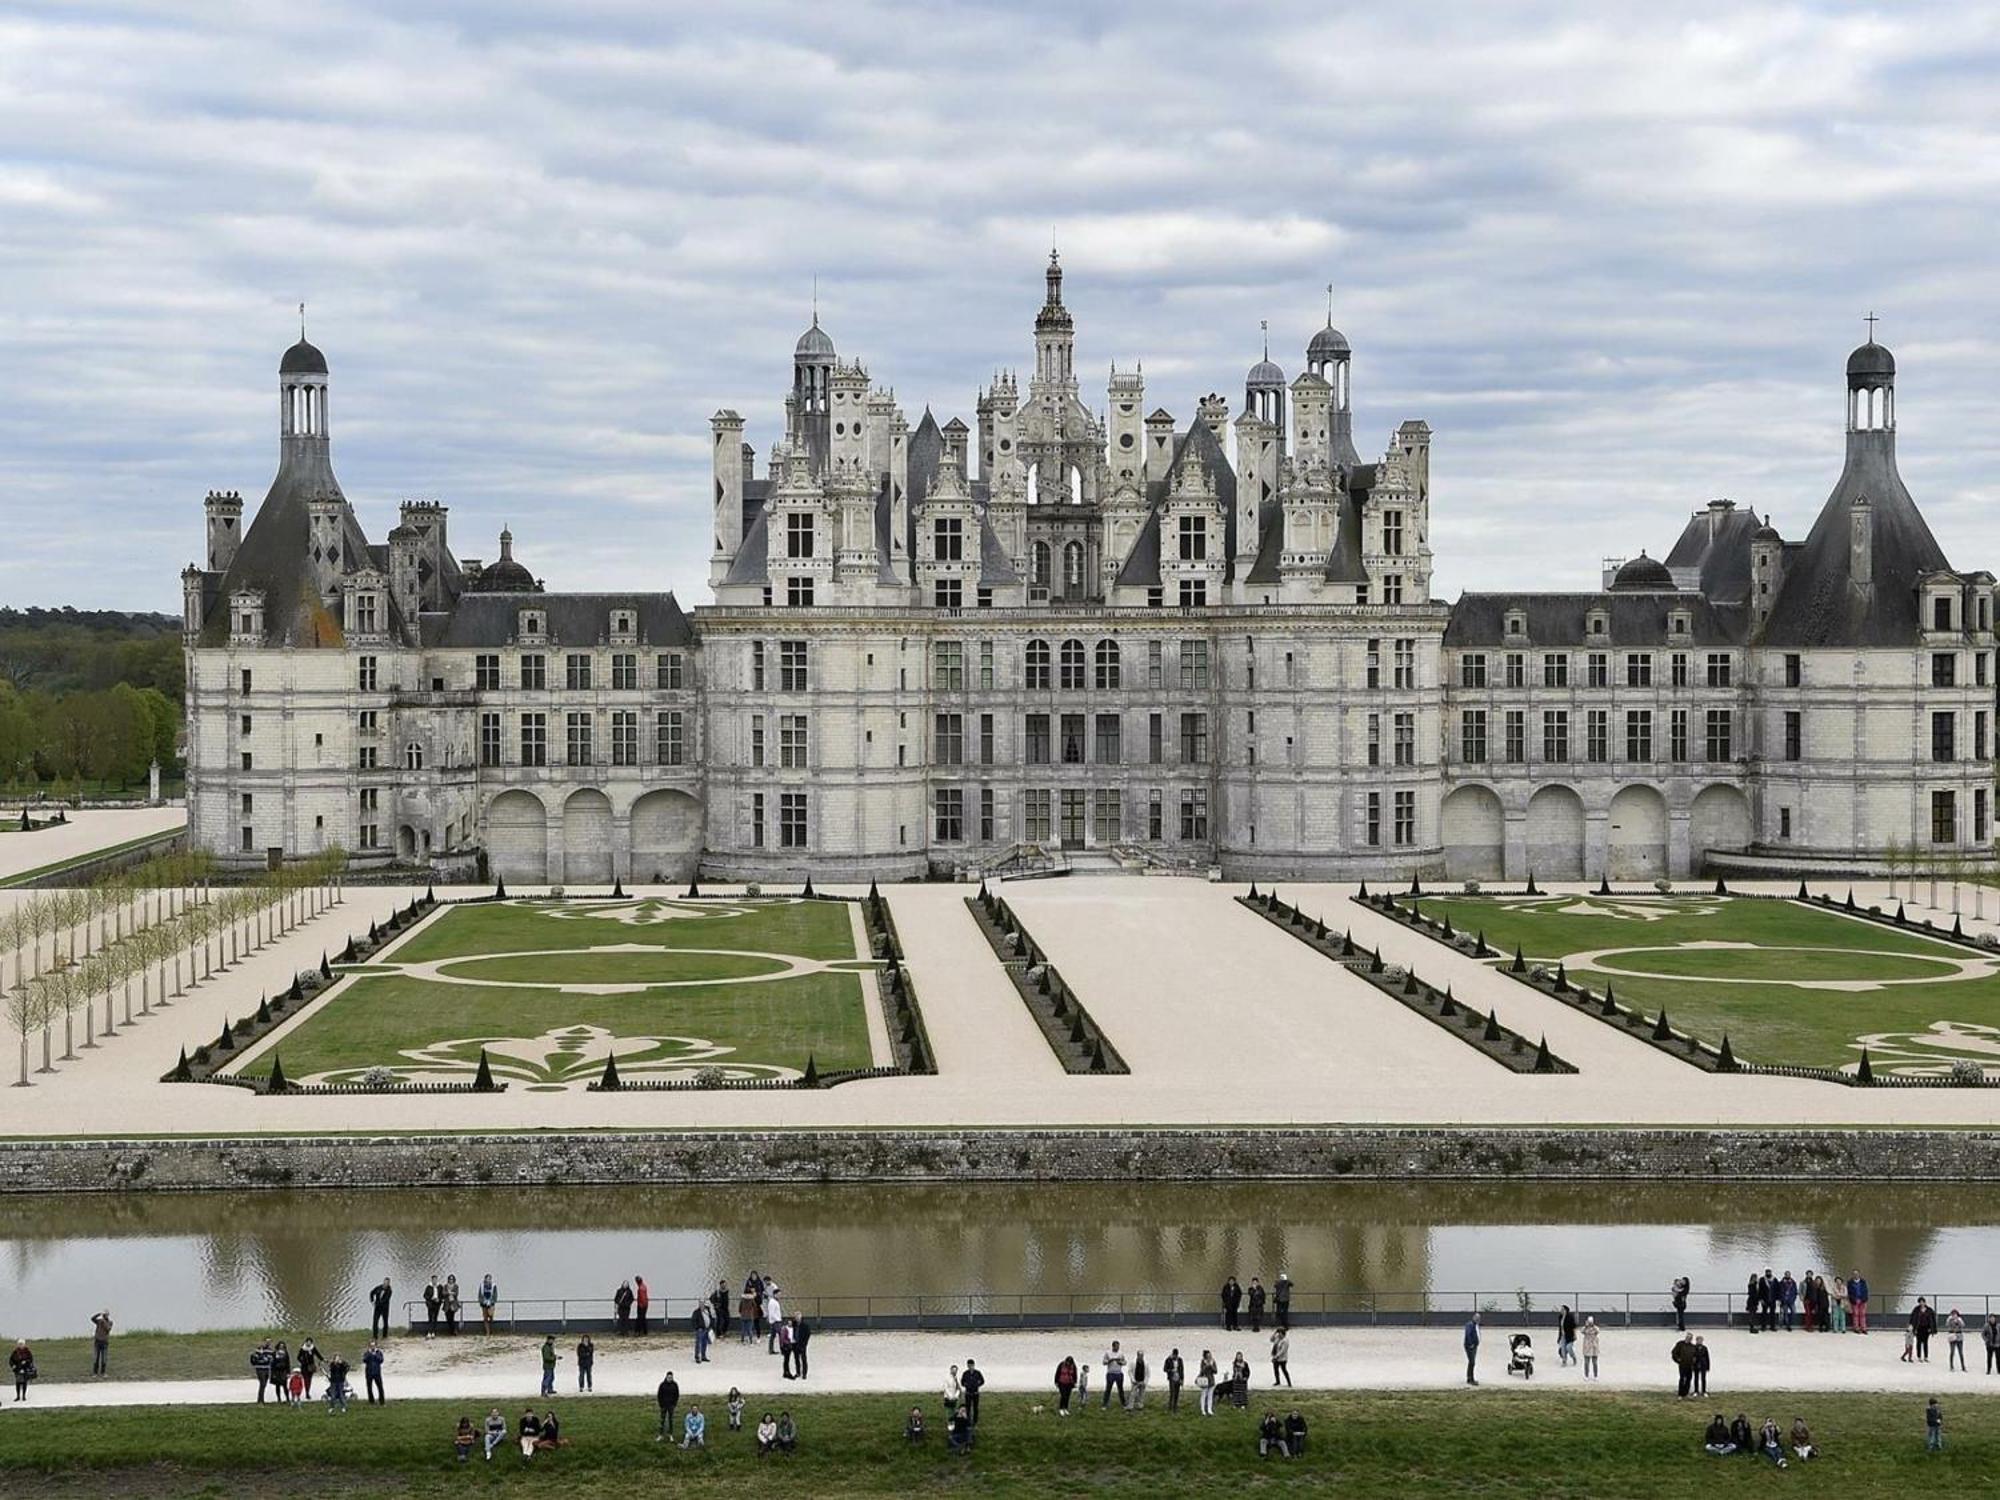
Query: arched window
x=1034 y=484
x=1073 y=568
x=1038 y=665
x=1075 y=485
x=1072 y=666
x=413 y=757
x=1042 y=569
x=1107 y=666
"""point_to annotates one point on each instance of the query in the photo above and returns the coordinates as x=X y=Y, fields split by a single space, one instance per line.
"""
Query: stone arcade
x=1195 y=644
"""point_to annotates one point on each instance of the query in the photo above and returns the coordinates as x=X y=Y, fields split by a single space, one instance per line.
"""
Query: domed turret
x=1871 y=360
x=1871 y=387
x=814 y=344
x=1327 y=345
x=506 y=576
x=1264 y=388
x=302 y=359
x=1643 y=574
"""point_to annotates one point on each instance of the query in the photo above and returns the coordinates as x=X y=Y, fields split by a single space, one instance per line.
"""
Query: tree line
x=87 y=696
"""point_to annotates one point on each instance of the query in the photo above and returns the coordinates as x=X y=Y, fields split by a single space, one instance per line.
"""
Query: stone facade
x=1198 y=645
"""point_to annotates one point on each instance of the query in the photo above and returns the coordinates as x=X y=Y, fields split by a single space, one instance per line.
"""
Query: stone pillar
x=153 y=784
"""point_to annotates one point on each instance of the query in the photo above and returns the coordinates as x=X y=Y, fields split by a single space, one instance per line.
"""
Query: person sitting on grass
x=529 y=1432
x=767 y=1434
x=462 y=1440
x=1803 y=1446
x=1270 y=1436
x=788 y=1433
x=694 y=1429
x=1741 y=1435
x=551 y=1432
x=1716 y=1440
x=735 y=1409
x=496 y=1431
x=958 y=1437
x=1768 y=1444
x=913 y=1425
x=1295 y=1434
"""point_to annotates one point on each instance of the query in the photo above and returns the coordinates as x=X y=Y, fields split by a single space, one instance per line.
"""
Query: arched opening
x=1719 y=819
x=1075 y=485
x=1034 y=484
x=1636 y=840
x=1474 y=834
x=666 y=836
x=587 y=837
x=1072 y=666
x=517 y=837
x=1555 y=834
x=1042 y=565
x=413 y=756
x=1108 y=672
x=1073 y=570
x=406 y=842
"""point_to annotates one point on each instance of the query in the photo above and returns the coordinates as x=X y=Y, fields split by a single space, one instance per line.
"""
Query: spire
x=302 y=322
x=1265 y=325
x=506 y=545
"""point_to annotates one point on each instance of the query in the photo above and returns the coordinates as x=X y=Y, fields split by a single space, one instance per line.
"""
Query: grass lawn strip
x=1807 y=987
x=58 y=866
x=1503 y=1441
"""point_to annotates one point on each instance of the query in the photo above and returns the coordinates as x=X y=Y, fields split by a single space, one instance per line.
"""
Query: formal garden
x=551 y=993
x=1788 y=983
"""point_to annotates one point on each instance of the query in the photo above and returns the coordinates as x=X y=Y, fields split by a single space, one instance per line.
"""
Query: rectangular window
x=1154 y=650
x=950 y=824
x=1979 y=668
x=799 y=593
x=986 y=664
x=577 y=740
x=371 y=799
x=1035 y=740
x=1596 y=736
x=1555 y=669
x=1194 y=739
x=986 y=819
x=534 y=739
x=791 y=820
x=1156 y=815
x=1194 y=814
x=1372 y=826
x=1072 y=667
x=1979 y=815
x=1392 y=533
x=624 y=672
x=489 y=739
x=948 y=539
x=1472 y=670
x=1374 y=664
x=1941 y=612
x=669 y=672
x=1598 y=669
x=1639 y=734
x=1677 y=736
x=1555 y=735
x=1406 y=664
x=756 y=739
x=1035 y=817
x=1109 y=673
x=1794 y=669
x=1638 y=669
x=798 y=535
x=1194 y=664
x=1794 y=733
x=1472 y=736
x=792 y=673
x=1784 y=822
x=1036 y=667
x=1194 y=539
x=948 y=740
x=1108 y=735
x=486 y=672
x=756 y=820
x=624 y=738
x=1979 y=735
x=1406 y=818
x=534 y=672
x=1392 y=588
x=1679 y=664
x=1517 y=736
x=367 y=759
x=1071 y=728
x=1156 y=751
x=576 y=672
x=1718 y=669
x=367 y=722
x=793 y=746
x=1374 y=739
x=1517 y=669
x=1944 y=817
x=757 y=666
x=1719 y=746
x=364 y=668
x=1107 y=815
x=986 y=739
x=1944 y=736
x=948 y=593
x=669 y=738
x=1406 y=739
x=948 y=666
x=244 y=681
x=1944 y=669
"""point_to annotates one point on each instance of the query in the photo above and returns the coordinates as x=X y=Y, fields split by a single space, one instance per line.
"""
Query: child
x=295 y=1388
x=1909 y=1345
x=735 y=1410
x=1083 y=1385
x=1933 y=1427
x=461 y=1440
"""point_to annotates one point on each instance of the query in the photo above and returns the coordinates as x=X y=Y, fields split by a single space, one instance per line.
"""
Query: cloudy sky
x=1613 y=253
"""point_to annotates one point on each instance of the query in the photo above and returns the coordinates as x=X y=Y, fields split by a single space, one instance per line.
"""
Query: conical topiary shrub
x=1447 y=1006
x=617 y=890
x=1899 y=913
x=875 y=896
x=808 y=891
x=1059 y=1003
x=1957 y=931
x=1448 y=933
x=499 y=889
x=263 y=1010
x=1850 y=898
x=1364 y=890
x=1097 y=1056
x=1608 y=1005
x=1544 y=1063
x=610 y=1081
x=1042 y=982
x=1531 y=891
x=918 y=1062
x=1375 y=965
x=1479 y=948
x=1865 y=1074
x=1077 y=1033
x=1662 y=1032
x=181 y=1072
x=1520 y=964
x=482 y=1081
x=1562 y=977
x=1416 y=886
x=1347 y=945
x=1493 y=1032
x=1409 y=981
x=277 y=1083
x=811 y=1078
x=1604 y=885
x=430 y=895
x=1803 y=895
x=1725 y=1059
x=693 y=890
x=1253 y=890
x=325 y=968
x=1721 y=886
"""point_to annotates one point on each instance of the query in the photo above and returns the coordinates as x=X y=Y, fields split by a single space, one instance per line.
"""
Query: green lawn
x=538 y=1029
x=1782 y=1000
x=1362 y=1446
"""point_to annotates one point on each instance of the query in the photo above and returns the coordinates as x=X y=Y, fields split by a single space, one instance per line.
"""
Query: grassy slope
x=1501 y=1442
x=1765 y=1024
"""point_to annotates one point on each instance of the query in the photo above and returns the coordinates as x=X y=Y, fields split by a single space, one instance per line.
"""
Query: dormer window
x=1598 y=623
x=246 y=618
x=1941 y=612
x=367 y=614
x=1678 y=622
x=534 y=624
x=624 y=624
x=1517 y=623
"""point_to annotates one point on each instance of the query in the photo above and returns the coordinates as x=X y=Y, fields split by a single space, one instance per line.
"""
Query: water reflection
x=306 y=1259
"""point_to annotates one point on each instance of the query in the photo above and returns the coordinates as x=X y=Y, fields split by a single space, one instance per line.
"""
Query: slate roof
x=1716 y=544
x=1562 y=620
x=273 y=555
x=1141 y=568
x=574 y=619
x=1819 y=603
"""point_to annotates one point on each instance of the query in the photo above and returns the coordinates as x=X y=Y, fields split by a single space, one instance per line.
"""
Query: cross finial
x=1871 y=320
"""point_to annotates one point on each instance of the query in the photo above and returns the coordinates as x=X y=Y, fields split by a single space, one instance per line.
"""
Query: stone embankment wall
x=1332 y=1153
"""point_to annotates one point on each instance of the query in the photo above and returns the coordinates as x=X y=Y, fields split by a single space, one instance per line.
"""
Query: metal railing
x=999 y=1311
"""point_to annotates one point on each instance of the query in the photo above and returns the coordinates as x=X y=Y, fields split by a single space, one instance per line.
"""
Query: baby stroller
x=1521 y=1356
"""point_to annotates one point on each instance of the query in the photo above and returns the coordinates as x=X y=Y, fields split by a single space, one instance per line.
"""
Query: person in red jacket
x=1065 y=1384
x=642 y=1298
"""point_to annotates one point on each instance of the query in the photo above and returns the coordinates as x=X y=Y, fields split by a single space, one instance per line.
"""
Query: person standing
x=784 y=1331
x=1239 y=1381
x=549 y=1357
x=1681 y=1287
x=642 y=1299
x=1683 y=1358
x=801 y=1336
x=1588 y=1338
x=1471 y=1341
x=1989 y=1335
x=260 y=1366
x=1788 y=1299
x=371 y=1374
x=1934 y=1427
x=1139 y=1375
x=1923 y=1323
x=586 y=1364
x=1836 y=1302
x=1857 y=1300
x=1281 y=1357
x=1281 y=1300
x=669 y=1396
x=379 y=1302
x=718 y=1300
x=489 y=1300
x=1204 y=1382
x=22 y=1363
x=281 y=1371
x=453 y=1305
x=774 y=1315
x=1566 y=1336
x=1065 y=1384
x=1954 y=1341
x=972 y=1382
x=1257 y=1299
x=1232 y=1299
x=1114 y=1376
x=308 y=1363
x=750 y=1310
x=701 y=1316
x=100 y=1343
x=1753 y=1304
x=336 y=1385
x=1175 y=1369
x=954 y=1391
x=621 y=1309
x=1701 y=1363
x=432 y=1302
